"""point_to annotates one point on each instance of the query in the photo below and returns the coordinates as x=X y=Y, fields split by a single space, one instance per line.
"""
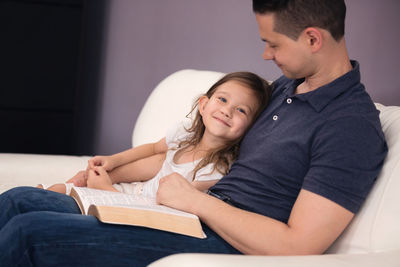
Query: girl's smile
x=224 y=122
x=228 y=112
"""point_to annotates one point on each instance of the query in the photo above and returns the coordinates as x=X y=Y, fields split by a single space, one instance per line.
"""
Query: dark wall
x=49 y=83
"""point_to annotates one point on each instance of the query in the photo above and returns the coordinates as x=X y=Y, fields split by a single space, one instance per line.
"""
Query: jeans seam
x=25 y=254
x=116 y=244
x=13 y=206
x=151 y=249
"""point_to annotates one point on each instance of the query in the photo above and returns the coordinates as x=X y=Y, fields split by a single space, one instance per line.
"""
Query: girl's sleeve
x=207 y=173
x=176 y=134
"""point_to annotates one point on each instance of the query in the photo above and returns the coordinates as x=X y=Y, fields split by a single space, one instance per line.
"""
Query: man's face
x=292 y=57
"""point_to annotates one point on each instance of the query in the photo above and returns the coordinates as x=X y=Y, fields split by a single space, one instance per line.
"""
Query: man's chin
x=290 y=75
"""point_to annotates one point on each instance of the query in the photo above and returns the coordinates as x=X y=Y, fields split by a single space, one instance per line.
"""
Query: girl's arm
x=140 y=163
x=139 y=170
x=143 y=151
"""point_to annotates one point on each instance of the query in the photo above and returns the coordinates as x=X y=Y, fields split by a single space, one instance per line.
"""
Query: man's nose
x=267 y=54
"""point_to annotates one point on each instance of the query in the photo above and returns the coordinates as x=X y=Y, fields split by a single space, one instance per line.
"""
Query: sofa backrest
x=374 y=228
x=170 y=102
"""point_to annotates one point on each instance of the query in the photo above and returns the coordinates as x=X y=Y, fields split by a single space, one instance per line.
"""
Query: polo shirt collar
x=322 y=96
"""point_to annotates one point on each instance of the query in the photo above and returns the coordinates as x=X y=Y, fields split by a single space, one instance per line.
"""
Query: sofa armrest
x=32 y=169
x=373 y=259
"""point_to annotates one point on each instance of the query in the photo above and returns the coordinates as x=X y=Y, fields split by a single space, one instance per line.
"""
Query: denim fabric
x=43 y=228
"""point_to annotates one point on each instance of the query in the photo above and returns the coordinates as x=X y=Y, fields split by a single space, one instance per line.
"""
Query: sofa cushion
x=32 y=169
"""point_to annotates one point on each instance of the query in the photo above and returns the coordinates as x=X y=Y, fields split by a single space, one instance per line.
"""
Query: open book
x=127 y=209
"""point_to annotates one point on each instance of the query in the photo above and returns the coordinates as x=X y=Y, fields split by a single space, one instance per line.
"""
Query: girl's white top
x=150 y=187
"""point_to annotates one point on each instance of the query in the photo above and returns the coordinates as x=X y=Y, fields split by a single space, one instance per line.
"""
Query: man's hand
x=176 y=192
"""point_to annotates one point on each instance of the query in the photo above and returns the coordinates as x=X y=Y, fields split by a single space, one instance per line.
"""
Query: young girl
x=202 y=152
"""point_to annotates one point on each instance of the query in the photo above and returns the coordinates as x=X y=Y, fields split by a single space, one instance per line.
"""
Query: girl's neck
x=208 y=143
x=199 y=151
x=189 y=154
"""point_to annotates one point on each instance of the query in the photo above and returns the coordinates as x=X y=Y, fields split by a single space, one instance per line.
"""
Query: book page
x=90 y=196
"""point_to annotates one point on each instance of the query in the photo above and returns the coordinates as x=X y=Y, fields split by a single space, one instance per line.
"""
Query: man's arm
x=315 y=222
x=204 y=185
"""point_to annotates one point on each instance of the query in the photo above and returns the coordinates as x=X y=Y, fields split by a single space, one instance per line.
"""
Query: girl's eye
x=222 y=99
x=242 y=111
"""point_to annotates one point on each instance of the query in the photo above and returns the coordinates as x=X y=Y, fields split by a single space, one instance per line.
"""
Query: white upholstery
x=32 y=169
x=380 y=259
x=372 y=239
x=170 y=102
x=376 y=226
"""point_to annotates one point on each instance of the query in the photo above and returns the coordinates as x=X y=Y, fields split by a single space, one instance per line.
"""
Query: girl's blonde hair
x=223 y=157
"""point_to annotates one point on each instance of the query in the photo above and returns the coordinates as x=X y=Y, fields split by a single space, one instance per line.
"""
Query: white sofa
x=372 y=239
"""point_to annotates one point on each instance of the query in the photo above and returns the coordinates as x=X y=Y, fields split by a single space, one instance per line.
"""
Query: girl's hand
x=106 y=162
x=79 y=179
x=176 y=192
x=98 y=178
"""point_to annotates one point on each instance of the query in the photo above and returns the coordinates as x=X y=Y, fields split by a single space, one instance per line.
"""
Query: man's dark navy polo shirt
x=328 y=141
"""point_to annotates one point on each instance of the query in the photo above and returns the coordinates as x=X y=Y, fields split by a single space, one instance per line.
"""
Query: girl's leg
x=61 y=239
x=21 y=200
x=59 y=188
x=79 y=179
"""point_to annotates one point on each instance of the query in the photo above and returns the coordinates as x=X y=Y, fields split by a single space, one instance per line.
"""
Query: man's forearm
x=248 y=232
x=314 y=224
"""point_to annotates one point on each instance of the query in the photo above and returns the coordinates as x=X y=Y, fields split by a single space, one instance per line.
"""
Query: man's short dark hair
x=293 y=16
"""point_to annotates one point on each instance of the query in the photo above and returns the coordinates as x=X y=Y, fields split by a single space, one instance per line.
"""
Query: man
x=312 y=157
x=304 y=168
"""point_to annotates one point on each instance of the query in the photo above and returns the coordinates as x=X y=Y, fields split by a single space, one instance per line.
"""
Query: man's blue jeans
x=43 y=228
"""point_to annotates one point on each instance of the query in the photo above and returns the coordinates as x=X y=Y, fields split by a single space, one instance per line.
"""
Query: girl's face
x=229 y=111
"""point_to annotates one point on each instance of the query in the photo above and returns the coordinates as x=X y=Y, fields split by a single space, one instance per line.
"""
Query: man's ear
x=314 y=38
x=203 y=100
